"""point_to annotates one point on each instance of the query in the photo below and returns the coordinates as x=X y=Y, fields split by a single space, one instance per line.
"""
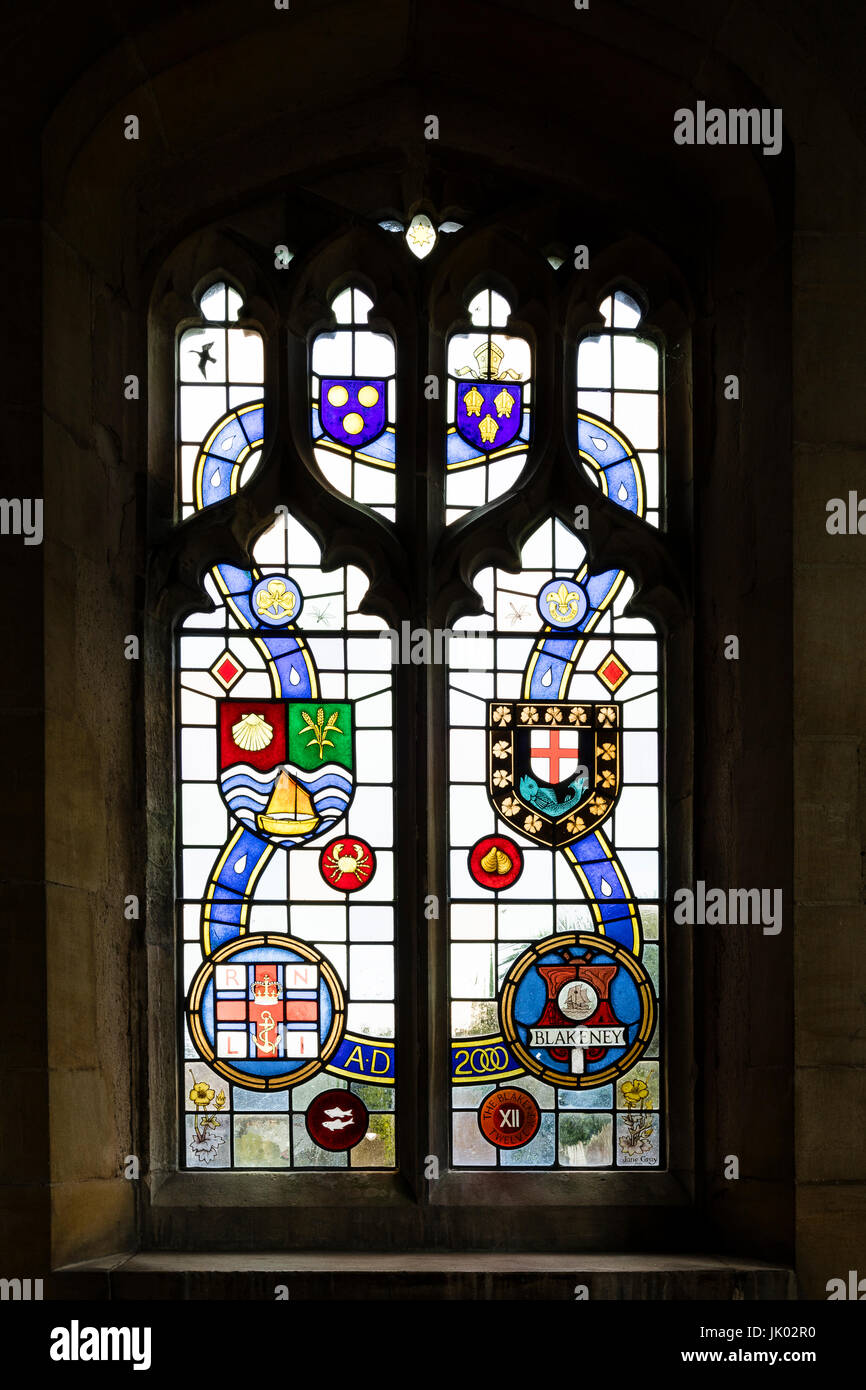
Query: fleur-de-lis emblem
x=563 y=603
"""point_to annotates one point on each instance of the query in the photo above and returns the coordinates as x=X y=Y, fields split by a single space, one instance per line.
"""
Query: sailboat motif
x=295 y=784
x=290 y=811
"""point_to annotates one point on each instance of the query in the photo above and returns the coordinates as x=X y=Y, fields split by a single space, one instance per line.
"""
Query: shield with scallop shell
x=287 y=767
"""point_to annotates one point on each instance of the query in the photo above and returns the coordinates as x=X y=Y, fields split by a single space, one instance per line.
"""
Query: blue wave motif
x=247 y=791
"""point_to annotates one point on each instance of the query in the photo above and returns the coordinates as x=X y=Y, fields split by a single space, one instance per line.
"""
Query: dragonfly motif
x=321 y=613
x=517 y=614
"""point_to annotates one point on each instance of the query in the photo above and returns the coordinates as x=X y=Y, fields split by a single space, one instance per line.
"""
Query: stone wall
x=96 y=219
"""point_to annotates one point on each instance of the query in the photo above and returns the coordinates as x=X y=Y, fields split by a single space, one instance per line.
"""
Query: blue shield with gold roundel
x=353 y=409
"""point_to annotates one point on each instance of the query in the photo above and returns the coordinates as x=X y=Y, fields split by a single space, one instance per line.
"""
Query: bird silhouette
x=204 y=356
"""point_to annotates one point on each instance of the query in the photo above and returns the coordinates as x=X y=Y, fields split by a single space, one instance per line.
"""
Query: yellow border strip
x=343 y=451
x=632 y=456
x=236 y=464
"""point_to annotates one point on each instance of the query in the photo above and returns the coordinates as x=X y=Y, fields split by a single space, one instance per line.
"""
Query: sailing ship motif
x=290 y=812
x=287 y=766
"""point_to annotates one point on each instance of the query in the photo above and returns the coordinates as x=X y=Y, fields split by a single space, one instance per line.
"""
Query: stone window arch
x=418 y=561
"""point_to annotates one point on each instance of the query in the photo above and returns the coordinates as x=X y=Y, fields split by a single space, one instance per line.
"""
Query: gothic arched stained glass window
x=287 y=857
x=555 y=822
x=489 y=407
x=354 y=404
x=285 y=845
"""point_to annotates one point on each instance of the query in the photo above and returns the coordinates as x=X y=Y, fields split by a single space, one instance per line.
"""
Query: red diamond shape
x=227 y=671
x=612 y=672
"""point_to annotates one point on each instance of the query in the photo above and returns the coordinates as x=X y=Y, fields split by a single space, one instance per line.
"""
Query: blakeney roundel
x=577 y=1010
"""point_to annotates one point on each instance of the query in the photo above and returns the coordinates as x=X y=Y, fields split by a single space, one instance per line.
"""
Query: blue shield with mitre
x=489 y=413
x=353 y=409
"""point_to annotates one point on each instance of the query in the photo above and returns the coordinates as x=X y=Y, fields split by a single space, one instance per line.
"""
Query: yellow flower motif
x=607 y=751
x=607 y=714
x=201 y=1093
x=577 y=716
x=532 y=824
x=553 y=715
x=634 y=1092
x=510 y=806
x=607 y=779
x=502 y=715
x=575 y=824
x=598 y=806
x=500 y=750
x=500 y=778
x=529 y=715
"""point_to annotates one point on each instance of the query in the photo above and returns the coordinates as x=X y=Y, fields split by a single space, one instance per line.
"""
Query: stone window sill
x=413 y=1276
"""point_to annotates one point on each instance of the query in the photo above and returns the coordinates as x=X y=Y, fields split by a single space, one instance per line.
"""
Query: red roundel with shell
x=495 y=862
x=347 y=863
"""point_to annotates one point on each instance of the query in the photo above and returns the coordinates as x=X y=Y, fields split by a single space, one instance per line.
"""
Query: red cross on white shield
x=554 y=754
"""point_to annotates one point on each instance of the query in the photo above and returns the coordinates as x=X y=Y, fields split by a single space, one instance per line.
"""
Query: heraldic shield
x=287 y=767
x=553 y=770
x=353 y=409
x=489 y=414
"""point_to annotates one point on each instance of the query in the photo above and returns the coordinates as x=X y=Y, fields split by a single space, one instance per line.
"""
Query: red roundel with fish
x=337 y=1120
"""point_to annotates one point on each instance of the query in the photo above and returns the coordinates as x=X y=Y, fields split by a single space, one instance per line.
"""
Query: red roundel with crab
x=495 y=862
x=347 y=863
